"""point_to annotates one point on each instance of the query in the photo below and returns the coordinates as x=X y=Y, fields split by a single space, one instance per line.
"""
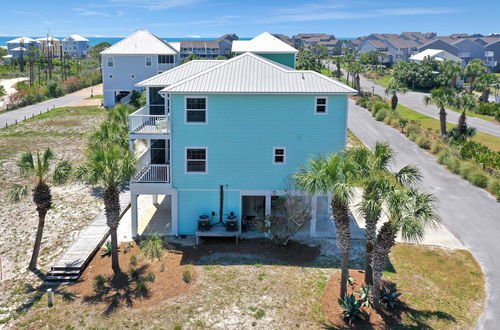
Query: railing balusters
x=153 y=173
x=141 y=122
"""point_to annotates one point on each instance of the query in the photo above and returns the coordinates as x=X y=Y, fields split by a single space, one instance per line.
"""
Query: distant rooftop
x=141 y=42
x=263 y=43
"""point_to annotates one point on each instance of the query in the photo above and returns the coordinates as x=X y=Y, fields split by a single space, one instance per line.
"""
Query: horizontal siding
x=285 y=59
x=192 y=204
x=241 y=133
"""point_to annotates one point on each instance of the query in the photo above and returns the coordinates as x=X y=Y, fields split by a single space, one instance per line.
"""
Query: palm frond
x=26 y=164
x=62 y=172
x=17 y=192
x=383 y=155
x=408 y=175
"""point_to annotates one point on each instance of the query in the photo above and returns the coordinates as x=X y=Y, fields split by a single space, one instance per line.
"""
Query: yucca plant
x=106 y=249
x=351 y=308
x=365 y=295
x=99 y=284
x=141 y=289
x=153 y=246
x=390 y=297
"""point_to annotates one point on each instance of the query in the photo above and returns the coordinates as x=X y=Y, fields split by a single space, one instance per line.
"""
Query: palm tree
x=465 y=102
x=474 y=70
x=441 y=97
x=450 y=72
x=377 y=181
x=111 y=167
x=393 y=88
x=336 y=175
x=484 y=83
x=409 y=211
x=38 y=168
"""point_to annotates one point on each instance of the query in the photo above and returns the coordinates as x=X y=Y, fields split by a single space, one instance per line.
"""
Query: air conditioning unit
x=232 y=223
x=203 y=223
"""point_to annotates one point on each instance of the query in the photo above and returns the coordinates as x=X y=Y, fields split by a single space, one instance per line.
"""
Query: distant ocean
x=113 y=40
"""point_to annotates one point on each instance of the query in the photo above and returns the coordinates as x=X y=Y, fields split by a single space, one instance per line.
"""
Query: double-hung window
x=279 y=156
x=321 y=107
x=148 y=61
x=196 y=110
x=110 y=61
x=165 y=59
x=196 y=160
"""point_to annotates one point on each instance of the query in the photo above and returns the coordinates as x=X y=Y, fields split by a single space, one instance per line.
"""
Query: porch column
x=155 y=199
x=134 y=214
x=175 y=216
x=314 y=211
x=329 y=206
x=268 y=204
x=131 y=145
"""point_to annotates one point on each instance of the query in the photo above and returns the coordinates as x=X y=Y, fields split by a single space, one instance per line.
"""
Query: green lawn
x=95 y=97
x=491 y=141
x=384 y=80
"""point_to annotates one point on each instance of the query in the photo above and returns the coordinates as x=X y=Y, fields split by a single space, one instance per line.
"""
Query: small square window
x=196 y=160
x=196 y=110
x=149 y=61
x=321 y=105
x=110 y=62
x=279 y=156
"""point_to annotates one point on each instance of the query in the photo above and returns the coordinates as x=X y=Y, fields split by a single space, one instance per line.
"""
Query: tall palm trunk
x=385 y=241
x=341 y=219
x=394 y=101
x=442 y=119
x=112 y=209
x=43 y=200
x=370 y=235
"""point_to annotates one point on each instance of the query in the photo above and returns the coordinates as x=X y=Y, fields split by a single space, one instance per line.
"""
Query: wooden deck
x=72 y=263
x=217 y=231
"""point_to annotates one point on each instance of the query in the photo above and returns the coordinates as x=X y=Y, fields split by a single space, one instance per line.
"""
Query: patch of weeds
x=260 y=313
x=261 y=276
x=187 y=275
x=133 y=260
x=258 y=265
x=177 y=327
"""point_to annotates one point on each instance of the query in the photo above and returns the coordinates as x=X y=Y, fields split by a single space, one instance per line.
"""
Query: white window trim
x=274 y=155
x=112 y=62
x=146 y=61
x=186 y=122
x=186 y=160
x=316 y=105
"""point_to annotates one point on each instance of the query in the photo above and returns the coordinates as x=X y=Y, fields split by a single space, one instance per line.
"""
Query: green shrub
x=106 y=249
x=351 y=308
x=380 y=115
x=133 y=260
x=423 y=142
x=494 y=186
x=453 y=164
x=413 y=127
x=466 y=168
x=99 y=284
x=478 y=178
x=442 y=155
x=490 y=109
x=141 y=289
x=436 y=147
x=413 y=136
x=390 y=297
x=153 y=246
x=379 y=106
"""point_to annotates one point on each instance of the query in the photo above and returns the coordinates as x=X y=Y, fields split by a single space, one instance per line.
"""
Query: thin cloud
x=152 y=4
x=87 y=12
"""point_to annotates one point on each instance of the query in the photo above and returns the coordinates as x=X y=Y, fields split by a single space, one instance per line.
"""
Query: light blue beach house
x=75 y=46
x=224 y=136
x=139 y=56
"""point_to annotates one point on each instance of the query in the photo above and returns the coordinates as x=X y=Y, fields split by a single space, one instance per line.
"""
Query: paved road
x=10 y=117
x=415 y=101
x=470 y=213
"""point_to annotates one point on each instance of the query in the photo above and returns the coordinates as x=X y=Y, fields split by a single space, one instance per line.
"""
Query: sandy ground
x=8 y=84
x=74 y=205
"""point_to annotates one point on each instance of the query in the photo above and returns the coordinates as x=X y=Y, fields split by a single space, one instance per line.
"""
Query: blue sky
x=204 y=18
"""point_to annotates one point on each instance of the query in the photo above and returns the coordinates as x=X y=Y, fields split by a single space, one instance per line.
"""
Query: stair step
x=63 y=273
x=61 y=278
x=65 y=268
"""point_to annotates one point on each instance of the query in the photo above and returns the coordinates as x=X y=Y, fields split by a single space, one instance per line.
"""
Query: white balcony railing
x=165 y=66
x=153 y=173
x=141 y=122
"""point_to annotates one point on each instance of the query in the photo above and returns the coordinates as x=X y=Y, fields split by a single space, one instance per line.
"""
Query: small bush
x=133 y=260
x=153 y=246
x=442 y=155
x=466 y=168
x=134 y=274
x=141 y=289
x=453 y=164
x=390 y=297
x=380 y=115
x=106 y=249
x=187 y=275
x=436 y=147
x=351 y=308
x=478 y=178
x=423 y=142
x=494 y=186
x=150 y=277
x=413 y=136
x=99 y=284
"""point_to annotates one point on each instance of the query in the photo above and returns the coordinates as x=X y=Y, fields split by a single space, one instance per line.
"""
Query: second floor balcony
x=143 y=125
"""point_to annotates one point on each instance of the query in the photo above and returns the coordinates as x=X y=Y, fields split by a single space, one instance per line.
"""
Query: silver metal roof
x=252 y=74
x=263 y=43
x=178 y=73
x=141 y=42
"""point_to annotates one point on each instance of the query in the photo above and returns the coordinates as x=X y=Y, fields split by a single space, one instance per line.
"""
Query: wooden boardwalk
x=74 y=260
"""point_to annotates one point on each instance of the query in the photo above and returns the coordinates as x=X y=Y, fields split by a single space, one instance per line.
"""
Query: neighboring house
x=439 y=44
x=18 y=46
x=75 y=46
x=229 y=135
x=49 y=46
x=226 y=43
x=310 y=40
x=469 y=50
x=268 y=46
x=492 y=55
x=400 y=49
x=139 y=56
x=202 y=48
x=376 y=45
x=437 y=54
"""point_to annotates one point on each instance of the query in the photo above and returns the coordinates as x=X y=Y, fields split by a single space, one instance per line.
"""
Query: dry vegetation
x=65 y=131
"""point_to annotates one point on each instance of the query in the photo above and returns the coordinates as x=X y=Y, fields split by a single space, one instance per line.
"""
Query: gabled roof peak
x=263 y=43
x=141 y=42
